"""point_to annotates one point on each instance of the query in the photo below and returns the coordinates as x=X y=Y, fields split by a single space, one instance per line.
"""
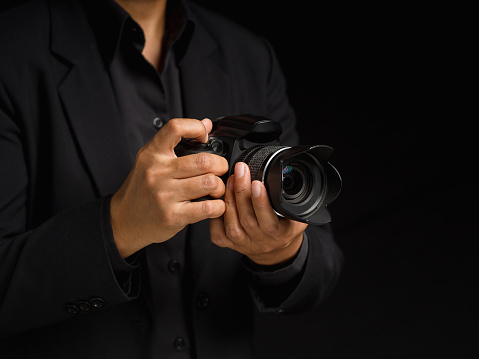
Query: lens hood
x=319 y=183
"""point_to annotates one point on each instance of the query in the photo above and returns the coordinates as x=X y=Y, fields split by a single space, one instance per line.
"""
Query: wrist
x=121 y=235
x=279 y=256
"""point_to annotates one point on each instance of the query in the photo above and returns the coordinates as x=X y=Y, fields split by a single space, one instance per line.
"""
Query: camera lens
x=301 y=187
x=296 y=183
x=299 y=182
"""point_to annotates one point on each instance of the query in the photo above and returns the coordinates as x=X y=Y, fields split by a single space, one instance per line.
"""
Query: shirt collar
x=109 y=20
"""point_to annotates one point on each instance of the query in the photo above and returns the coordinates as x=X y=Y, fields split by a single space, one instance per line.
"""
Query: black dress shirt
x=147 y=98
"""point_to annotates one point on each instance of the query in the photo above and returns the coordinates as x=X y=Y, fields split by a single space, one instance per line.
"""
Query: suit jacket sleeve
x=57 y=270
x=303 y=287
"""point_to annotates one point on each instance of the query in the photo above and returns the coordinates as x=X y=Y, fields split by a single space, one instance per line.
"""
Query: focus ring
x=256 y=157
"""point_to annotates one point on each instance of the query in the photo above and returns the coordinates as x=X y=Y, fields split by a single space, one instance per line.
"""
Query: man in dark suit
x=103 y=252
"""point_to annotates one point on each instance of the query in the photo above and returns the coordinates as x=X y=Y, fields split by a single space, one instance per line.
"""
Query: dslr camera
x=299 y=180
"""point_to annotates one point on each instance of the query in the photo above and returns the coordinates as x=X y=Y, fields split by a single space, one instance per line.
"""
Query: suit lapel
x=88 y=98
x=91 y=107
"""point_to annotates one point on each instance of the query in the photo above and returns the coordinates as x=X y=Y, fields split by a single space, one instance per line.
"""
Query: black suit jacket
x=61 y=151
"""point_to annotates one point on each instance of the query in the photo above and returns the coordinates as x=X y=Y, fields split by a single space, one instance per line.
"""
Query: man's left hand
x=250 y=225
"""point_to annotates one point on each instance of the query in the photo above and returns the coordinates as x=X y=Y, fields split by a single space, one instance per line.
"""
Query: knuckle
x=233 y=233
x=220 y=243
x=209 y=182
x=219 y=189
x=140 y=154
x=240 y=190
x=203 y=161
x=208 y=208
x=218 y=240
x=175 y=125
x=230 y=202
x=248 y=221
x=143 y=157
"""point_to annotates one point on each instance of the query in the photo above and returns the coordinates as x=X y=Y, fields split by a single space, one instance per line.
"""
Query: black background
x=386 y=85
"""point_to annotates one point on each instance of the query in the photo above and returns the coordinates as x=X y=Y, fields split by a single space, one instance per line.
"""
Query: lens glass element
x=296 y=182
x=301 y=185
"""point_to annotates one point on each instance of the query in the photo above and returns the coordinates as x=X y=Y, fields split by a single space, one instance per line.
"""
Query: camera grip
x=189 y=146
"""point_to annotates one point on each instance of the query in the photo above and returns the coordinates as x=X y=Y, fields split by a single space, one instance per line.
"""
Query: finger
x=268 y=220
x=208 y=126
x=194 y=212
x=199 y=186
x=218 y=234
x=171 y=134
x=242 y=192
x=198 y=164
x=233 y=229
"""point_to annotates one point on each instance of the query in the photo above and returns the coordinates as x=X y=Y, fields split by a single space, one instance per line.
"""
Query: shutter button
x=158 y=123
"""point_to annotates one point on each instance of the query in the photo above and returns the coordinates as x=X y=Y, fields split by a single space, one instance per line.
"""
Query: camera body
x=299 y=180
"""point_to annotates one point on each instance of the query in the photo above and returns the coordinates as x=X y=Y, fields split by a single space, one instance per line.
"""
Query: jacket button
x=158 y=123
x=202 y=301
x=72 y=309
x=179 y=344
x=97 y=302
x=84 y=306
x=174 y=266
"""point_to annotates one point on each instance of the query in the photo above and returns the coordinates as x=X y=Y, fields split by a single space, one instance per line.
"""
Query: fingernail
x=231 y=183
x=239 y=170
x=256 y=188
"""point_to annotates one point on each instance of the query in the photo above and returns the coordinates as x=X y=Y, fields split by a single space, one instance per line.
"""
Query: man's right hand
x=155 y=201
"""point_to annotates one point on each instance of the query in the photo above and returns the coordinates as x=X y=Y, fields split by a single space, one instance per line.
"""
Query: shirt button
x=84 y=306
x=72 y=309
x=174 y=266
x=179 y=344
x=97 y=302
x=158 y=123
x=202 y=301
